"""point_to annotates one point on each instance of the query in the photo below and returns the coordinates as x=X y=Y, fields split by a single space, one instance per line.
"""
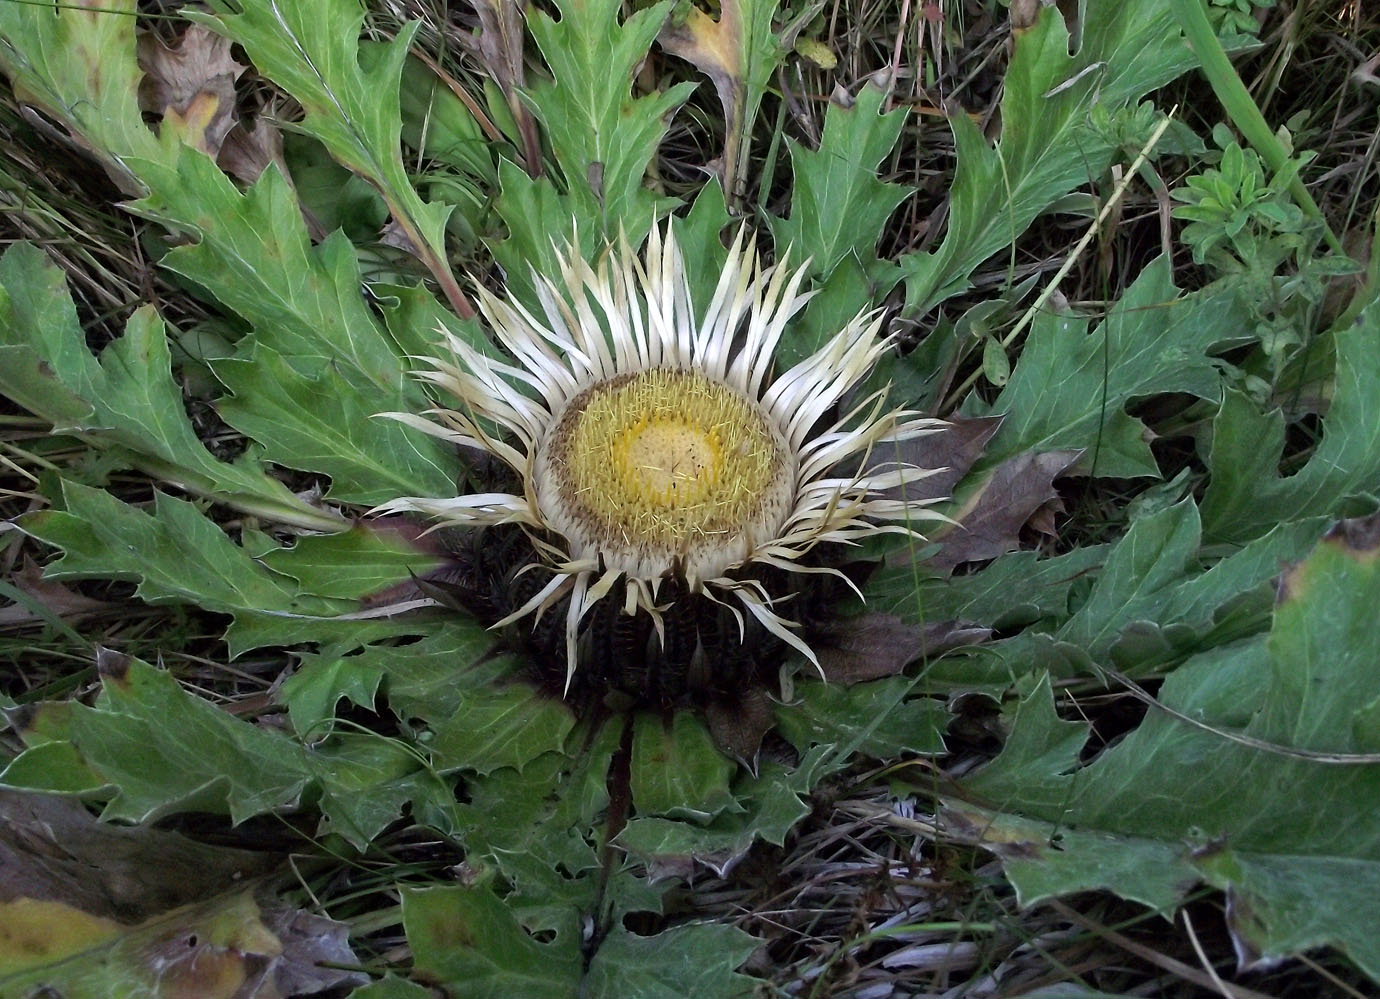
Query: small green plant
x=1237 y=17
x=1244 y=226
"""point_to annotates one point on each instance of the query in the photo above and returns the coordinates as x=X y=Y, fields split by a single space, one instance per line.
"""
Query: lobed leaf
x=601 y=136
x=1047 y=146
x=127 y=400
x=311 y=50
x=838 y=212
x=1070 y=388
x=159 y=749
x=1247 y=494
x=1239 y=803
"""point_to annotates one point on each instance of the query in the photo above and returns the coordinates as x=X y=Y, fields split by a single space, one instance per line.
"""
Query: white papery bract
x=653 y=443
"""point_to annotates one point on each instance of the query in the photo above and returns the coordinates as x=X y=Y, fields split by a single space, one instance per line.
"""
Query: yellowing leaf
x=35 y=932
x=738 y=53
x=191 y=84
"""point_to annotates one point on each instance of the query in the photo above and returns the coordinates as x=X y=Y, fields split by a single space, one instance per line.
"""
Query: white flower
x=652 y=443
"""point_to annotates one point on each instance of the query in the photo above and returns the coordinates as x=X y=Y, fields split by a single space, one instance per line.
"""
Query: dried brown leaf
x=52 y=849
x=84 y=904
x=739 y=725
x=191 y=84
x=873 y=646
x=53 y=597
x=951 y=450
x=499 y=46
x=992 y=515
x=246 y=152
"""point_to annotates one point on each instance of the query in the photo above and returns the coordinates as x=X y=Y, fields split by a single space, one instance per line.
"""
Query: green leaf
x=1048 y=146
x=770 y=805
x=676 y=769
x=1015 y=590
x=1292 y=838
x=126 y=400
x=538 y=827
x=602 y=137
x=874 y=719
x=249 y=250
x=700 y=234
x=506 y=727
x=468 y=940
x=78 y=65
x=1247 y=494
x=311 y=50
x=311 y=416
x=478 y=717
x=838 y=211
x=392 y=987
x=838 y=206
x=164 y=750
x=1070 y=387
x=311 y=693
x=1152 y=600
x=696 y=959
x=363 y=560
x=175 y=554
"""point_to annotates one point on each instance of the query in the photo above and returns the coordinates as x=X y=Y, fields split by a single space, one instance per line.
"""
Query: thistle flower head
x=655 y=444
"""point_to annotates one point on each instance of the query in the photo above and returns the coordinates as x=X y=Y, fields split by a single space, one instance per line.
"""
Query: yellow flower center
x=662 y=464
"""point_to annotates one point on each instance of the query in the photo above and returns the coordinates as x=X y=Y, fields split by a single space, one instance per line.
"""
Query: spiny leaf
x=838 y=211
x=252 y=251
x=601 y=136
x=1174 y=803
x=451 y=683
x=696 y=959
x=467 y=938
x=838 y=206
x=311 y=50
x=253 y=254
x=175 y=553
x=1152 y=599
x=1070 y=387
x=1016 y=590
x=128 y=399
x=676 y=770
x=1247 y=494
x=365 y=559
x=874 y=719
x=320 y=682
x=1047 y=146
x=162 y=749
x=771 y=804
x=310 y=415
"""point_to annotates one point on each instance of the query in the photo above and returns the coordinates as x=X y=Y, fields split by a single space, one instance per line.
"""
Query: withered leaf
x=873 y=646
x=92 y=909
x=191 y=84
x=738 y=725
x=499 y=46
x=247 y=152
x=52 y=849
x=53 y=597
x=951 y=451
x=990 y=518
x=737 y=52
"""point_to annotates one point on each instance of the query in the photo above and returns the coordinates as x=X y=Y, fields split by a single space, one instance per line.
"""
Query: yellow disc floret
x=663 y=462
